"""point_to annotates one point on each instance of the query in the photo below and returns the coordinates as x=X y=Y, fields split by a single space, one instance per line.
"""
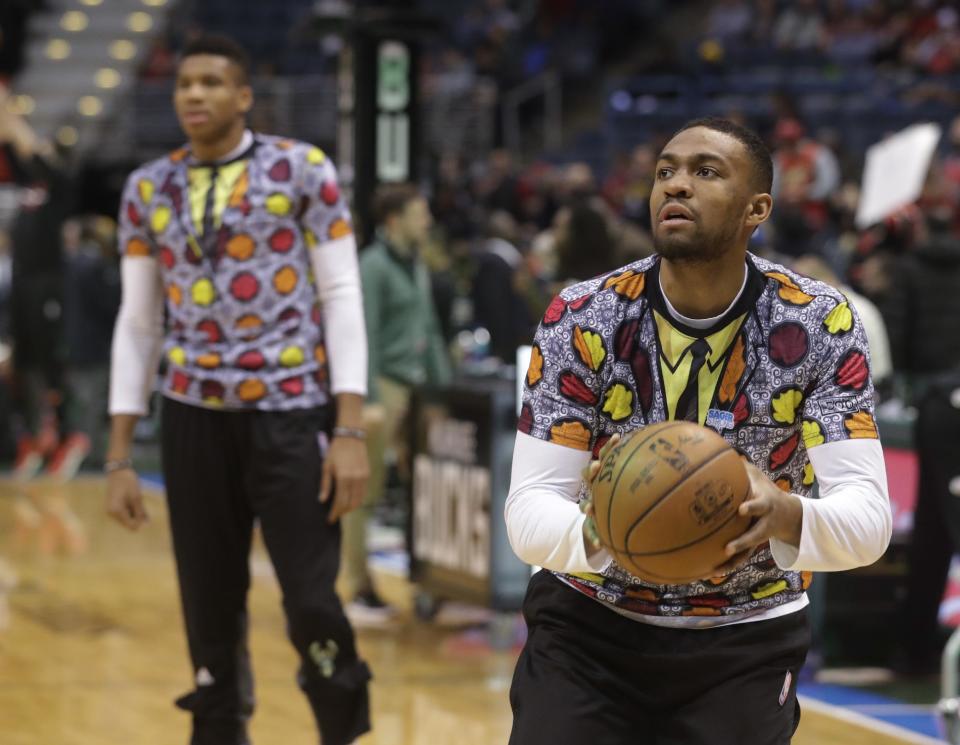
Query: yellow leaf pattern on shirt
x=840 y=319
x=861 y=426
x=146 y=189
x=618 y=402
x=812 y=434
x=595 y=349
x=535 y=371
x=160 y=219
x=786 y=404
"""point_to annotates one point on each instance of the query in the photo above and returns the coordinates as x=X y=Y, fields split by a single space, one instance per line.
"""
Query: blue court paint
x=153 y=480
x=914 y=718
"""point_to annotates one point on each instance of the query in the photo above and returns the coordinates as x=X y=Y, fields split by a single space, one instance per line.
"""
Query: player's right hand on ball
x=124 y=500
x=591 y=538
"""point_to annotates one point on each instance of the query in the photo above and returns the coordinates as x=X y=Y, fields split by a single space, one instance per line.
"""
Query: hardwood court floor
x=92 y=652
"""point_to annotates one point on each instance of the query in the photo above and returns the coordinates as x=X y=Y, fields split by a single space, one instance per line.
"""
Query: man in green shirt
x=406 y=349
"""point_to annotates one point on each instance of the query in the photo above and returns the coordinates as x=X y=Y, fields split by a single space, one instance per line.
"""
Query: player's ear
x=759 y=209
x=246 y=98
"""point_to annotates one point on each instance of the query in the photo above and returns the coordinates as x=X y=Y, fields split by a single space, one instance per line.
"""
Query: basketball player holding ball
x=777 y=364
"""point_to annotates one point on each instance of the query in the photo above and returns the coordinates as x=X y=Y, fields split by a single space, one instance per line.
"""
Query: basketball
x=666 y=499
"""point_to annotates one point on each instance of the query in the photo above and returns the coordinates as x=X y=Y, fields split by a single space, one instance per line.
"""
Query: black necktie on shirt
x=688 y=403
x=209 y=236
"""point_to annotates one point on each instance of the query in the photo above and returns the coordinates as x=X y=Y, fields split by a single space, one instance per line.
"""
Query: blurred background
x=532 y=131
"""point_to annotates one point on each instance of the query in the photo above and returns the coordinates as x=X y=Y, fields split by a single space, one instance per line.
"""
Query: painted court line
x=895 y=709
x=865 y=722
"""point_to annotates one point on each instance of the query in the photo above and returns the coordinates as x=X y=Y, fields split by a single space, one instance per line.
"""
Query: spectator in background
x=537 y=198
x=925 y=284
x=577 y=183
x=160 y=63
x=497 y=305
x=589 y=235
x=584 y=245
x=805 y=171
x=877 y=271
x=36 y=299
x=951 y=167
x=542 y=256
x=881 y=365
x=729 y=20
x=627 y=189
x=764 y=22
x=854 y=35
x=840 y=243
x=488 y=20
x=934 y=47
x=452 y=202
x=497 y=187
x=800 y=27
x=616 y=180
x=91 y=301
x=406 y=349
x=443 y=260
x=805 y=174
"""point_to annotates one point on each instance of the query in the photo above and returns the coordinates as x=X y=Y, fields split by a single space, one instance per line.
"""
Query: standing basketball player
x=777 y=363
x=245 y=241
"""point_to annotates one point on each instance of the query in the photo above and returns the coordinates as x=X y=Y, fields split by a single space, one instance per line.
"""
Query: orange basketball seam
x=671 y=490
x=613 y=486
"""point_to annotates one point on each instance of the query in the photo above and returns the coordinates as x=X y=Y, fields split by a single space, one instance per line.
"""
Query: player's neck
x=209 y=152
x=702 y=290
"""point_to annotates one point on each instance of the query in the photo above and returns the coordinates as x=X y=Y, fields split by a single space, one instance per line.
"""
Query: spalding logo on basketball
x=713 y=502
x=666 y=500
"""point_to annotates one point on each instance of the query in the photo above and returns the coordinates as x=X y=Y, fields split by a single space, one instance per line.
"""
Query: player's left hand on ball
x=776 y=514
x=593 y=468
x=345 y=475
x=590 y=535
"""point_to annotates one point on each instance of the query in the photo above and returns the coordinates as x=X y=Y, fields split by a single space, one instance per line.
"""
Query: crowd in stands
x=924 y=36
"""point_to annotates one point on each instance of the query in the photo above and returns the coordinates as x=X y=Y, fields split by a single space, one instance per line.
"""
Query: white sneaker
x=367 y=610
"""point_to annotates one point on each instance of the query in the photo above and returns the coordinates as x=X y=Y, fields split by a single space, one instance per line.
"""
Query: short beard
x=699 y=249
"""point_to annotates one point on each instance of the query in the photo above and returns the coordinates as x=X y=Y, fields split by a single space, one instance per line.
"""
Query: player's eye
x=663 y=173
x=706 y=172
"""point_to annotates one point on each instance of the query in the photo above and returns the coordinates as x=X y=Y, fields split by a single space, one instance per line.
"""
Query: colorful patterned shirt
x=243 y=324
x=783 y=371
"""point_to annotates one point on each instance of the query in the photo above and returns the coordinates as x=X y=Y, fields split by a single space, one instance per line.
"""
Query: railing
x=546 y=86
